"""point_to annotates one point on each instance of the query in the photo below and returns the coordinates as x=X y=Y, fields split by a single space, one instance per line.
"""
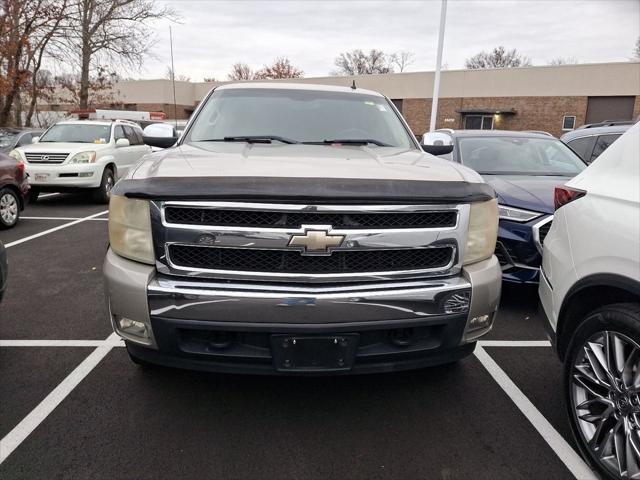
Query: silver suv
x=300 y=229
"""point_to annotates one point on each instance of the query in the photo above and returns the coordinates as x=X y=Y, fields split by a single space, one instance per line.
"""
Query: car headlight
x=517 y=214
x=130 y=229
x=83 y=157
x=483 y=231
x=16 y=155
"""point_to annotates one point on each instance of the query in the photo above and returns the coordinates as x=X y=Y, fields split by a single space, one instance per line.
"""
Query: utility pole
x=436 y=80
x=173 y=79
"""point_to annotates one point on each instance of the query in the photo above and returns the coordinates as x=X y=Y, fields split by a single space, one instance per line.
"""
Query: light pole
x=436 y=80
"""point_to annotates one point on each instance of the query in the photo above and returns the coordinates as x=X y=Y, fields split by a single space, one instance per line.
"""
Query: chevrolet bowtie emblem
x=316 y=241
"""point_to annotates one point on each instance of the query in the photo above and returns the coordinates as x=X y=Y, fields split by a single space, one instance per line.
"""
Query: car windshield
x=298 y=116
x=7 y=137
x=519 y=156
x=77 y=133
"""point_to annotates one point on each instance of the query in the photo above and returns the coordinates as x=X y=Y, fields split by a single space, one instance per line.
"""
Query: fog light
x=133 y=327
x=479 y=322
x=478 y=326
x=457 y=302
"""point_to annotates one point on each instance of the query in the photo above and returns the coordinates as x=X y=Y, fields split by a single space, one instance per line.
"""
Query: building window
x=398 y=104
x=478 y=122
x=568 y=122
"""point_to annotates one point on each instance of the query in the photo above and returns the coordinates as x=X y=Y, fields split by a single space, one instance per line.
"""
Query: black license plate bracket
x=314 y=353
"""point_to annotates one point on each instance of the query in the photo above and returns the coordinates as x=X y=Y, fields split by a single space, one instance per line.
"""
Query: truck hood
x=219 y=159
x=301 y=173
x=526 y=191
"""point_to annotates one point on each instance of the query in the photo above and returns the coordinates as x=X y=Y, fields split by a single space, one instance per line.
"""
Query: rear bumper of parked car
x=65 y=176
x=519 y=249
x=232 y=327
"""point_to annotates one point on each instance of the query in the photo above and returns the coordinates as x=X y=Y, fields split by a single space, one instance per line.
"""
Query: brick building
x=550 y=98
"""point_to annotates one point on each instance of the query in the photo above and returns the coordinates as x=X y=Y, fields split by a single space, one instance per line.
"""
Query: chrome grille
x=46 y=157
x=244 y=218
x=279 y=261
x=333 y=243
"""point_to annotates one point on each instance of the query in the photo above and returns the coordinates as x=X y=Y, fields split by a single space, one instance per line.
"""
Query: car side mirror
x=122 y=142
x=437 y=149
x=161 y=135
x=35 y=139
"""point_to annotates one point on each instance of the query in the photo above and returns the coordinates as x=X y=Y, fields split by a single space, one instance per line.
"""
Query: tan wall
x=532 y=113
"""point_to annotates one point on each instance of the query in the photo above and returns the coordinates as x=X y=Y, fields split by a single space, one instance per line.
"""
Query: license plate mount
x=311 y=353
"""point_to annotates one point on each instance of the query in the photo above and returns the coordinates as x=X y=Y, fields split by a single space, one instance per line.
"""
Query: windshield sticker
x=100 y=140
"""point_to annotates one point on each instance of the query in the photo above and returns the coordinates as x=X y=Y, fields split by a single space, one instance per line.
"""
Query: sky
x=214 y=34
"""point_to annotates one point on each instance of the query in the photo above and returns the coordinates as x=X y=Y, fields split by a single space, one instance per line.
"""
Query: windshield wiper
x=252 y=139
x=350 y=141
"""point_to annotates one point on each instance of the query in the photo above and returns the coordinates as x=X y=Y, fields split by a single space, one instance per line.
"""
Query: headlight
x=483 y=231
x=83 y=157
x=517 y=214
x=15 y=154
x=130 y=229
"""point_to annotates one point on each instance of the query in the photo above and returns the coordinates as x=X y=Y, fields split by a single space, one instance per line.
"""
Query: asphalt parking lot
x=74 y=406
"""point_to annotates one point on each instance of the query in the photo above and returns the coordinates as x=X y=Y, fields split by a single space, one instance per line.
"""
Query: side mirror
x=122 y=142
x=35 y=139
x=160 y=135
x=437 y=149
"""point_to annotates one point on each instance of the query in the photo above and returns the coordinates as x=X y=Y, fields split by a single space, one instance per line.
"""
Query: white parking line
x=61 y=343
x=54 y=229
x=63 y=218
x=559 y=445
x=514 y=343
x=20 y=432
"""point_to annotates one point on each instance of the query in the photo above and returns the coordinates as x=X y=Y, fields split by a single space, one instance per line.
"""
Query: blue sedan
x=524 y=169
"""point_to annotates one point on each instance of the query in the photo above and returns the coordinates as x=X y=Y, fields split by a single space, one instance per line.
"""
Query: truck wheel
x=103 y=192
x=602 y=389
x=34 y=192
x=9 y=208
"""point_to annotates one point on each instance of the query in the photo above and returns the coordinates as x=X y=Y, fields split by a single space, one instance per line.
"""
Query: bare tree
x=168 y=74
x=114 y=31
x=356 y=62
x=26 y=28
x=499 y=57
x=281 y=68
x=563 y=61
x=240 y=71
x=402 y=59
x=101 y=91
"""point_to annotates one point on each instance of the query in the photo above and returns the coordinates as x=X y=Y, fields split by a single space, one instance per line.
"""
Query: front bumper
x=223 y=326
x=75 y=175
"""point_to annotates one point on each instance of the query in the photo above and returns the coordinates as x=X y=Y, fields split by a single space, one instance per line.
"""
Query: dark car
x=3 y=270
x=11 y=138
x=14 y=189
x=589 y=141
x=524 y=168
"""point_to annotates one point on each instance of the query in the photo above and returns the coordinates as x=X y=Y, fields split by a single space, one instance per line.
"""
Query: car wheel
x=9 y=208
x=103 y=192
x=602 y=389
x=33 y=194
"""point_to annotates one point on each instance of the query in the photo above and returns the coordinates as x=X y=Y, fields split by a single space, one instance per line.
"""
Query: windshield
x=519 y=156
x=7 y=137
x=306 y=116
x=77 y=133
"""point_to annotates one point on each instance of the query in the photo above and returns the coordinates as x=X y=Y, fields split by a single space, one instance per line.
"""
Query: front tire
x=103 y=192
x=9 y=208
x=602 y=389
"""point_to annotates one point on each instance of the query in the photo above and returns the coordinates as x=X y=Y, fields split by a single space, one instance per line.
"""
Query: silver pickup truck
x=300 y=229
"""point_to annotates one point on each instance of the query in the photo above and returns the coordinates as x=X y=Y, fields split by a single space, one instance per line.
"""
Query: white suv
x=590 y=292
x=82 y=154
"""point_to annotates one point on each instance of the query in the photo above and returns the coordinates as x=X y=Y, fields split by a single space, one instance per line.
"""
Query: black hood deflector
x=303 y=190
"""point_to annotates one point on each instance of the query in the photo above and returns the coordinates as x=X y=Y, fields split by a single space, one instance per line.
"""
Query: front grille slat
x=270 y=219
x=544 y=230
x=46 y=157
x=282 y=261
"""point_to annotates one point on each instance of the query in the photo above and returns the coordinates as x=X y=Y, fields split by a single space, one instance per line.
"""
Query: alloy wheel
x=8 y=209
x=108 y=185
x=605 y=400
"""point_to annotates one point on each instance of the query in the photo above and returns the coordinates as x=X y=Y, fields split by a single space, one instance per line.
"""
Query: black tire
x=34 y=192
x=9 y=208
x=622 y=321
x=103 y=192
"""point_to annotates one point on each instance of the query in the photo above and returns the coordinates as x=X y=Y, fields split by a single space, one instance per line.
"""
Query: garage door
x=600 y=109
